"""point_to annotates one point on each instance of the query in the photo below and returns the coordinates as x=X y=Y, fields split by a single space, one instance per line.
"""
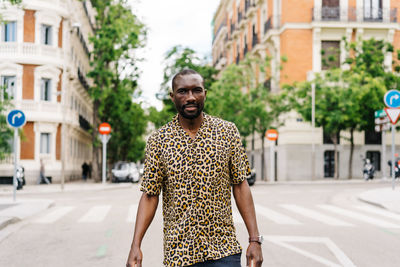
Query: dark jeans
x=230 y=261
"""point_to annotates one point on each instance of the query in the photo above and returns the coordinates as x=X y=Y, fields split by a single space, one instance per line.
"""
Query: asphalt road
x=303 y=224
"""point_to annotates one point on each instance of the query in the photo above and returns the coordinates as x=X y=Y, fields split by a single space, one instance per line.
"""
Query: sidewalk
x=383 y=197
x=12 y=212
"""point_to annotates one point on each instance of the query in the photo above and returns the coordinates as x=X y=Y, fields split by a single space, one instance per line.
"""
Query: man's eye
x=181 y=91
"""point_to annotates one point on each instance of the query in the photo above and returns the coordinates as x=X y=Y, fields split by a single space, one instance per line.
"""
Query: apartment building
x=44 y=58
x=300 y=30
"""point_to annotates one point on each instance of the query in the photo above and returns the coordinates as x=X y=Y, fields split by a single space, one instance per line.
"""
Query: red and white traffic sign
x=104 y=128
x=393 y=114
x=272 y=134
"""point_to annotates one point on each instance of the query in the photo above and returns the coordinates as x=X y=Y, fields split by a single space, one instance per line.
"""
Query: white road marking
x=359 y=216
x=132 y=213
x=95 y=214
x=54 y=215
x=379 y=211
x=275 y=216
x=316 y=215
x=283 y=242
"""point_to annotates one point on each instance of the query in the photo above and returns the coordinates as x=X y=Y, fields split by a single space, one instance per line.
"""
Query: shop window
x=375 y=158
x=373 y=138
x=329 y=163
x=45 y=143
x=9 y=31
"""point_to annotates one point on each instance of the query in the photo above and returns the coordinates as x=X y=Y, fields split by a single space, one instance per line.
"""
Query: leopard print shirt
x=196 y=177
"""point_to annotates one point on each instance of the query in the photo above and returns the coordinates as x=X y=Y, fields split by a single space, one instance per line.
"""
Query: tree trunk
x=335 y=153
x=262 y=158
x=95 y=153
x=351 y=153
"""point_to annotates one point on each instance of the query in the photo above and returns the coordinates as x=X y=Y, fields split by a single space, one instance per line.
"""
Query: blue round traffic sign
x=392 y=99
x=16 y=118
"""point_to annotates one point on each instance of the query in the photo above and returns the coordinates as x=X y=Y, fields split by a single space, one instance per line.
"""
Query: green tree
x=118 y=33
x=177 y=59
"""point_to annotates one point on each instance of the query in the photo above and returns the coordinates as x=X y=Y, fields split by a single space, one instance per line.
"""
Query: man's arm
x=245 y=204
x=145 y=214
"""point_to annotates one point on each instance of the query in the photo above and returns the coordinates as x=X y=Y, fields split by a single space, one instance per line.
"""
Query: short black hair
x=183 y=73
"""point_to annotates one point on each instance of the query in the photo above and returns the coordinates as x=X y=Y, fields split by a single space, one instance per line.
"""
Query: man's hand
x=135 y=257
x=254 y=255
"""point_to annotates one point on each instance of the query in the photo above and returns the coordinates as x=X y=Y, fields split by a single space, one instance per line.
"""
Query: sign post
x=382 y=124
x=16 y=119
x=272 y=135
x=104 y=130
x=392 y=101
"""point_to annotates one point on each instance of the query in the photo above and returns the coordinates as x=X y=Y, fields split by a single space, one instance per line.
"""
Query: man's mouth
x=190 y=107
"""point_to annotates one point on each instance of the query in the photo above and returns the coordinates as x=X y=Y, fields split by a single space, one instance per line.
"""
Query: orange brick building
x=44 y=56
x=300 y=30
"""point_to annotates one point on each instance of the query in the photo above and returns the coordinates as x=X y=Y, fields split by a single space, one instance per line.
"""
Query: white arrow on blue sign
x=16 y=118
x=392 y=99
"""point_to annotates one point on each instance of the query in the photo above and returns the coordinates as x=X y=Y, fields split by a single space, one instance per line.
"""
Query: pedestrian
x=85 y=170
x=196 y=160
x=42 y=177
x=90 y=170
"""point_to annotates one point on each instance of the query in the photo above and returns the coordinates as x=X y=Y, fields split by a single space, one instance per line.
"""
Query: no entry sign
x=272 y=135
x=104 y=128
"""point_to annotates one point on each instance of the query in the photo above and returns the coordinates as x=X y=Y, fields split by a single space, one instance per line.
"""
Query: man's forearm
x=145 y=214
x=245 y=204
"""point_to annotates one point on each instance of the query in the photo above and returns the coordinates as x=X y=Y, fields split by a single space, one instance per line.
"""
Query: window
x=373 y=138
x=373 y=10
x=46 y=34
x=330 y=10
x=8 y=87
x=45 y=143
x=375 y=158
x=330 y=54
x=45 y=90
x=329 y=163
x=9 y=31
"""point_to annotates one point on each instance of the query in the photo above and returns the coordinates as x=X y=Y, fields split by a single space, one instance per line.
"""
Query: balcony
x=31 y=53
x=352 y=14
x=83 y=80
x=250 y=8
x=242 y=19
x=84 y=124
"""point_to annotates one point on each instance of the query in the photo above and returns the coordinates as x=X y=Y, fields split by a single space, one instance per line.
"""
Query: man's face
x=189 y=95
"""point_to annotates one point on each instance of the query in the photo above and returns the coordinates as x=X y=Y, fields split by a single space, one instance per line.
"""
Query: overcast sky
x=170 y=23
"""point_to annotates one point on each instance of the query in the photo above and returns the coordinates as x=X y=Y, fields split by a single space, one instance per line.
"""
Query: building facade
x=299 y=30
x=44 y=58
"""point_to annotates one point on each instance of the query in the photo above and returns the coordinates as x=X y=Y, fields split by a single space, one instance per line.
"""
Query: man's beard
x=192 y=116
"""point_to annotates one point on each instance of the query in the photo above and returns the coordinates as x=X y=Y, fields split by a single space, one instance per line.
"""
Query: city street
x=320 y=224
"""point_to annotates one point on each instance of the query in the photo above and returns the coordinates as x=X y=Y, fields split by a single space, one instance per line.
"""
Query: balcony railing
x=83 y=80
x=352 y=14
x=30 y=50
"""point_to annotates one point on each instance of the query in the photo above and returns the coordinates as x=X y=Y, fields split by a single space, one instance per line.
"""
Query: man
x=196 y=160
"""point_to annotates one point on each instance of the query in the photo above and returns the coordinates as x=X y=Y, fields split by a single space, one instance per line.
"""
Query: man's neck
x=191 y=126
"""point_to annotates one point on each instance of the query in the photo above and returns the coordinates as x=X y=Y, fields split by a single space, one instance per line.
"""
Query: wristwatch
x=259 y=239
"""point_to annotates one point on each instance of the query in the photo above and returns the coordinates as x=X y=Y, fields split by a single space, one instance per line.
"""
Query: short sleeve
x=239 y=163
x=152 y=171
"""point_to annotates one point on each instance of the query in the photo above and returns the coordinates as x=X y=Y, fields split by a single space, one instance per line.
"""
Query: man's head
x=188 y=93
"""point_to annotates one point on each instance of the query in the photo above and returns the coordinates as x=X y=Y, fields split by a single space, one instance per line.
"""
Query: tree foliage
x=6 y=133
x=114 y=73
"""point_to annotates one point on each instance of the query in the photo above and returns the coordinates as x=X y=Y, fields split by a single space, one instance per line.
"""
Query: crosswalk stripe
x=379 y=211
x=95 y=214
x=132 y=213
x=54 y=215
x=359 y=216
x=275 y=216
x=316 y=215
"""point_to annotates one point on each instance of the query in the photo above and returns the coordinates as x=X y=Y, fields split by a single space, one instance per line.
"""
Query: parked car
x=125 y=172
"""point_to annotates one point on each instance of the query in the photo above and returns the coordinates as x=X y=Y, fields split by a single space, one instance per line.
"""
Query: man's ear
x=171 y=95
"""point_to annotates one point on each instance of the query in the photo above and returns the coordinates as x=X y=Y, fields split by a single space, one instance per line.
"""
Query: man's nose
x=190 y=96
